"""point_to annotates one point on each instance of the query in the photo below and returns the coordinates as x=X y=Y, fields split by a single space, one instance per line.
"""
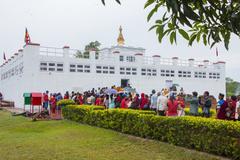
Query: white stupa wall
x=34 y=80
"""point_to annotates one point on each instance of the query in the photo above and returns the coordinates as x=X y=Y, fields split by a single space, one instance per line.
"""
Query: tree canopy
x=232 y=87
x=206 y=21
x=91 y=46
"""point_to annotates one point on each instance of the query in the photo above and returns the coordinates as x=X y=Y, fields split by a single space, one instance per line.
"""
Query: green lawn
x=22 y=139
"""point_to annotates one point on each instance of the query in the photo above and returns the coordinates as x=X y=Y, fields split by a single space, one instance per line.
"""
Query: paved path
x=13 y=109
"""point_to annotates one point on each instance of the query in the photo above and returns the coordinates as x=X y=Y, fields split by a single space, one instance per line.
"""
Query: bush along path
x=208 y=135
x=22 y=139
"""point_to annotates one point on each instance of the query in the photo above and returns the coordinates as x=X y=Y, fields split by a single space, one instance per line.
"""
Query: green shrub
x=65 y=102
x=200 y=113
x=208 y=135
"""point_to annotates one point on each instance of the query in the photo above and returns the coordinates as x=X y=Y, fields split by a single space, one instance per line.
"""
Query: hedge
x=65 y=102
x=208 y=135
x=200 y=113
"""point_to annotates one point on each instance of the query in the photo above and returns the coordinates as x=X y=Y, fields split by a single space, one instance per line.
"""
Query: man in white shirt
x=162 y=103
x=237 y=113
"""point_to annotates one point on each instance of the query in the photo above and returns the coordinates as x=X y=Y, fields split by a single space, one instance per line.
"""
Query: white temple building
x=36 y=68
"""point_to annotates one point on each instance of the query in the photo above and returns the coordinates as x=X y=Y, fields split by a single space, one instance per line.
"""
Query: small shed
x=36 y=99
x=27 y=98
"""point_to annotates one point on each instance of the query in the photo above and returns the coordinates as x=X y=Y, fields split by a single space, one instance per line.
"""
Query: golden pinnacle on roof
x=120 y=39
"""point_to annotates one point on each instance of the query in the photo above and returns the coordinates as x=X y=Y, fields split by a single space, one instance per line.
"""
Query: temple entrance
x=124 y=83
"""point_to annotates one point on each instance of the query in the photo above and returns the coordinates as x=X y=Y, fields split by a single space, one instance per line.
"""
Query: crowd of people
x=167 y=102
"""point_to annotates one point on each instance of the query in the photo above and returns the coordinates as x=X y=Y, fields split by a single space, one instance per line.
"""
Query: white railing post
x=66 y=51
x=139 y=58
x=191 y=62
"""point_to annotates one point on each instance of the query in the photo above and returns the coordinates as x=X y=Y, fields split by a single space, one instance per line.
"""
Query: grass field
x=22 y=139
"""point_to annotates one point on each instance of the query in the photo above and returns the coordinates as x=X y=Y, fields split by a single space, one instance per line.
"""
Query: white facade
x=37 y=69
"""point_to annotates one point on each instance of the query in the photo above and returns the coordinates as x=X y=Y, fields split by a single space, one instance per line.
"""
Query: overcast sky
x=75 y=23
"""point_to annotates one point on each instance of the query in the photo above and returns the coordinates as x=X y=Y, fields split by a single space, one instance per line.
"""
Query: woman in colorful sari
x=222 y=107
x=124 y=103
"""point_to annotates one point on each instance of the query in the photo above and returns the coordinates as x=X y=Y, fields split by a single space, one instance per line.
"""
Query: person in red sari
x=222 y=106
x=232 y=107
x=118 y=101
x=143 y=101
x=181 y=101
x=172 y=105
x=124 y=103
x=53 y=103
x=80 y=99
x=66 y=96
x=181 y=105
x=98 y=101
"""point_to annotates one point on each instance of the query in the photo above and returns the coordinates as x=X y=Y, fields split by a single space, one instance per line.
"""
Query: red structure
x=36 y=101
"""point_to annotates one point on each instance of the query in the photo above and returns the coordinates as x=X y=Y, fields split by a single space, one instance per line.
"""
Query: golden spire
x=120 y=39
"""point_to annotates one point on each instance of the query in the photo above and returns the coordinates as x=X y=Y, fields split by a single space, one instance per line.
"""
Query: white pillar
x=139 y=58
x=206 y=63
x=175 y=61
x=156 y=59
x=66 y=51
x=191 y=62
x=92 y=55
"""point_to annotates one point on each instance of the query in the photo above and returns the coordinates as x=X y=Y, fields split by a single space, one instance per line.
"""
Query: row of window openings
x=128 y=58
x=149 y=72
x=79 y=68
x=128 y=71
x=86 y=69
x=105 y=69
x=167 y=73
x=44 y=66
x=51 y=64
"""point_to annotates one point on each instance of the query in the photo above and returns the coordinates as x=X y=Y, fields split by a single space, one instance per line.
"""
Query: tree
x=209 y=21
x=91 y=46
x=79 y=54
x=232 y=87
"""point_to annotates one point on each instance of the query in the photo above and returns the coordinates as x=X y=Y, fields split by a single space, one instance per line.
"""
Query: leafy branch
x=208 y=21
x=118 y=1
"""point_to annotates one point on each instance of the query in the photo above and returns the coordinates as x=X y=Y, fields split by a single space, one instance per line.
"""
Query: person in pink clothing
x=172 y=105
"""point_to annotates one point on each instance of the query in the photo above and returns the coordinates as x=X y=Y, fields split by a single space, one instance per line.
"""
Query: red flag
x=4 y=56
x=27 y=37
x=217 y=52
